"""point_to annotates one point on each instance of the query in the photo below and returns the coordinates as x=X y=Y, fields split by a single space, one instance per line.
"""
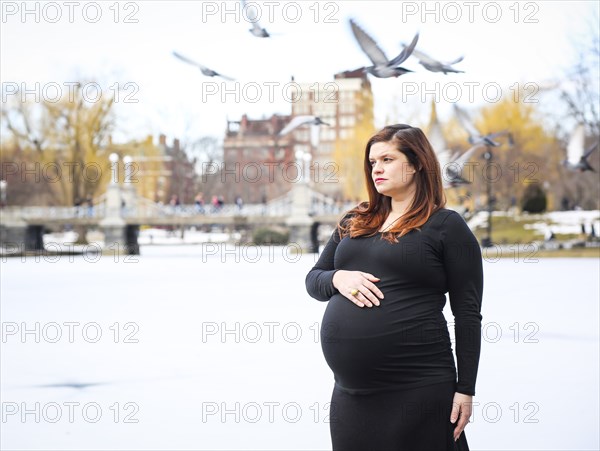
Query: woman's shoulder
x=443 y=215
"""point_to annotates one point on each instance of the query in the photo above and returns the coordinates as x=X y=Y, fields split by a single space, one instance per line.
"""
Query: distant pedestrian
x=174 y=203
x=77 y=205
x=215 y=203
x=239 y=202
x=264 y=204
x=199 y=202
x=90 y=206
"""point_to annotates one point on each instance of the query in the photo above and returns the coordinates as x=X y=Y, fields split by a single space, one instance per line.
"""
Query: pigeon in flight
x=433 y=65
x=475 y=137
x=205 y=70
x=314 y=121
x=577 y=155
x=256 y=29
x=382 y=67
x=452 y=166
x=299 y=121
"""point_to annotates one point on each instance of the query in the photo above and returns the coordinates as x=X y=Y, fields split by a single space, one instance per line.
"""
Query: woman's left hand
x=462 y=407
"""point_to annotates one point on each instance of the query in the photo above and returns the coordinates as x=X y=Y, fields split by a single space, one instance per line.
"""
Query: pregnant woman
x=384 y=273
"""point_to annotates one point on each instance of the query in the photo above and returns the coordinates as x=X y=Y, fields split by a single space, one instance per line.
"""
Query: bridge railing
x=145 y=208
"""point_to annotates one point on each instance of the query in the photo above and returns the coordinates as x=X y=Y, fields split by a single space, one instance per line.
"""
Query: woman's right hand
x=368 y=293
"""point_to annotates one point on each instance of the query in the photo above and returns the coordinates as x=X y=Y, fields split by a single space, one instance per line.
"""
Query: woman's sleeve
x=319 y=280
x=464 y=274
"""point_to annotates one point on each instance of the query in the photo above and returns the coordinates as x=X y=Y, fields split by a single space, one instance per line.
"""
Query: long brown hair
x=366 y=218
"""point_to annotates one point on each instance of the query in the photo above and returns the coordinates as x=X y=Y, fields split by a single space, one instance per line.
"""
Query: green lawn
x=506 y=230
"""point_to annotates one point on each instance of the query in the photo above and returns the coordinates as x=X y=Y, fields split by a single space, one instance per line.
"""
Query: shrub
x=270 y=236
x=534 y=199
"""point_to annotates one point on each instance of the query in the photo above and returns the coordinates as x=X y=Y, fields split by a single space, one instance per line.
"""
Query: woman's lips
x=380 y=180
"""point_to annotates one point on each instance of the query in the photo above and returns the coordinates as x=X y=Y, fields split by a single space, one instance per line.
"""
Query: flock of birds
x=382 y=67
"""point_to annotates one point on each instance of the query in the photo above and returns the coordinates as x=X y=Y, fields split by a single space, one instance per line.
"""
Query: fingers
x=455 y=412
x=358 y=299
x=368 y=293
x=369 y=276
x=463 y=419
x=366 y=297
x=374 y=293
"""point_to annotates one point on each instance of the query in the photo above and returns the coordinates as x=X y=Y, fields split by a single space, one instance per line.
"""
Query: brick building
x=257 y=163
x=343 y=103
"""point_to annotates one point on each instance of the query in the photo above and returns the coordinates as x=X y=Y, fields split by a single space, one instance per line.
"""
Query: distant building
x=181 y=178
x=258 y=164
x=343 y=103
x=159 y=170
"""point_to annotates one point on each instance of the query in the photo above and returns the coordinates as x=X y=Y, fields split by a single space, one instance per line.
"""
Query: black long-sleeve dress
x=393 y=366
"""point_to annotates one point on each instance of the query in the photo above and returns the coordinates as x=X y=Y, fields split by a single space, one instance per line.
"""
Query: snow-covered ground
x=63 y=240
x=215 y=346
x=556 y=221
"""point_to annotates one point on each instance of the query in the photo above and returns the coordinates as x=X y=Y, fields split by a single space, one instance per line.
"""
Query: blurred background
x=215 y=143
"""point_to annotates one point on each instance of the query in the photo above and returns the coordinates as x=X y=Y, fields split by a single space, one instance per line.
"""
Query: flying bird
x=577 y=155
x=452 y=166
x=205 y=70
x=475 y=136
x=434 y=65
x=382 y=67
x=314 y=121
x=256 y=29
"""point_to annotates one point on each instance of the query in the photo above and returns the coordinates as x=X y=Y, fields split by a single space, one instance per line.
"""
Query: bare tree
x=70 y=140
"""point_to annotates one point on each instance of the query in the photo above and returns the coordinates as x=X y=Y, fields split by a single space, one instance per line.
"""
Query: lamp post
x=114 y=158
x=128 y=168
x=488 y=157
x=3 y=184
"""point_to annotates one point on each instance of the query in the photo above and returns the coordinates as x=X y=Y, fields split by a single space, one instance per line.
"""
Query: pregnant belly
x=396 y=343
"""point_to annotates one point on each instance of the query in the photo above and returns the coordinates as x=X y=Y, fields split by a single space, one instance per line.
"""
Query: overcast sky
x=130 y=44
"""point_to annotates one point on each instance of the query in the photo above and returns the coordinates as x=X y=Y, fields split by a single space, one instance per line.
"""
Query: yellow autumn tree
x=349 y=156
x=529 y=156
x=65 y=142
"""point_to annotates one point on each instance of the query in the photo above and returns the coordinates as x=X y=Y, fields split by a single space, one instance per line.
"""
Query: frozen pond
x=176 y=349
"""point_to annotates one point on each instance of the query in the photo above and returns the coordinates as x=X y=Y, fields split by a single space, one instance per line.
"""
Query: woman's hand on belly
x=368 y=293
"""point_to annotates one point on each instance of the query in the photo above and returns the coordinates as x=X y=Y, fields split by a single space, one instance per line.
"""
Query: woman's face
x=391 y=172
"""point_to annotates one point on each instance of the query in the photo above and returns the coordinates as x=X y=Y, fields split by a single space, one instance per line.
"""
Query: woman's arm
x=319 y=280
x=464 y=274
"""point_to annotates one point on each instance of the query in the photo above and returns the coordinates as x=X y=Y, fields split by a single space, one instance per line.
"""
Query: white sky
x=506 y=52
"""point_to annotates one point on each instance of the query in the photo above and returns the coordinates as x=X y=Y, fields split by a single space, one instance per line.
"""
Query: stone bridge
x=119 y=213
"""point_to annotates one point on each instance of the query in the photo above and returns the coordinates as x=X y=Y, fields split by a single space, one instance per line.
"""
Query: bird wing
x=295 y=123
x=250 y=12
x=315 y=131
x=497 y=134
x=465 y=121
x=457 y=60
x=590 y=150
x=368 y=45
x=576 y=143
x=465 y=156
x=225 y=77
x=443 y=157
x=408 y=50
x=189 y=61
x=423 y=57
